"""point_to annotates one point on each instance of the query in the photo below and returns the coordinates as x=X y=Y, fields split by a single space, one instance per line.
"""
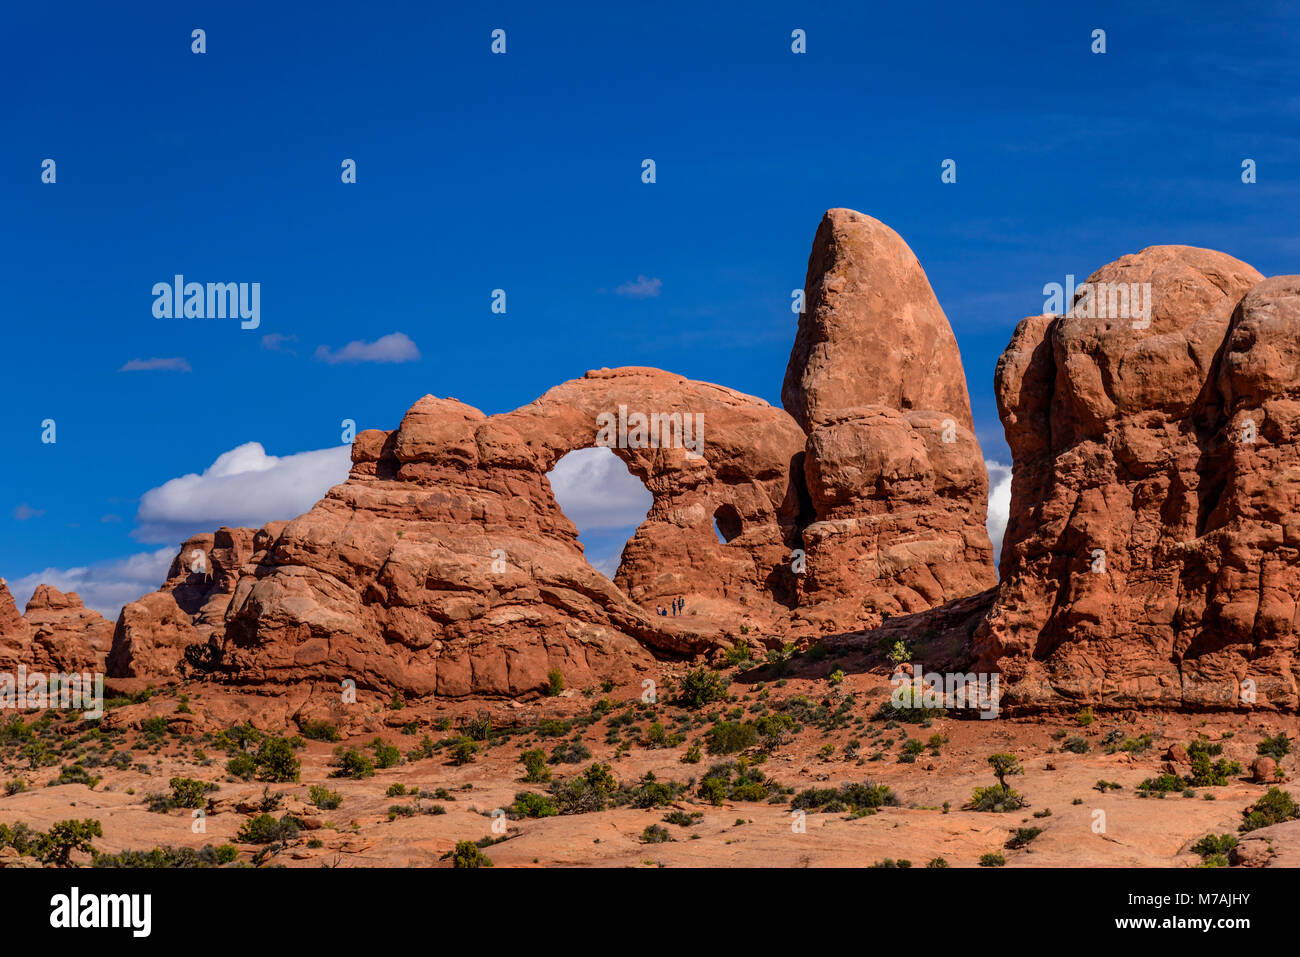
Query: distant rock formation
x=56 y=634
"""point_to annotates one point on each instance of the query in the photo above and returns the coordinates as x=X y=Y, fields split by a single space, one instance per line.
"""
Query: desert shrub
x=351 y=763
x=535 y=769
x=700 y=687
x=265 y=829
x=242 y=766
x=56 y=845
x=531 y=804
x=907 y=704
x=1139 y=745
x=1022 y=836
x=937 y=862
x=1085 y=717
x=16 y=786
x=386 y=755
x=168 y=857
x=853 y=797
x=320 y=730
x=467 y=854
x=911 y=748
x=189 y=793
x=1213 y=849
x=655 y=834
x=996 y=798
x=1205 y=772
x=590 y=791
x=75 y=774
x=649 y=792
x=682 y=818
x=992 y=859
x=1273 y=808
x=737 y=655
x=1075 y=745
x=554 y=682
x=1162 y=784
x=396 y=789
x=999 y=797
x=728 y=737
x=463 y=751
x=1277 y=747
x=323 y=798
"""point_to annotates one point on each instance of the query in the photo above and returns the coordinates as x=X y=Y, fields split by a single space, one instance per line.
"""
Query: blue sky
x=522 y=172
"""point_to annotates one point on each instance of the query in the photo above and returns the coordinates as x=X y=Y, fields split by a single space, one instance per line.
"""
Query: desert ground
x=454 y=774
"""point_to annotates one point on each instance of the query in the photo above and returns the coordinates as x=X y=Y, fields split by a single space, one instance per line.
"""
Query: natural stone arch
x=605 y=502
x=744 y=462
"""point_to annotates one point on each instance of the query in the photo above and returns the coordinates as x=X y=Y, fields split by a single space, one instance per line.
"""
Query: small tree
x=467 y=854
x=1004 y=764
x=277 y=762
x=534 y=761
x=57 y=844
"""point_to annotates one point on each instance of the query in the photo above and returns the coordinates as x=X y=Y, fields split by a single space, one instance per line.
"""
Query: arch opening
x=726 y=523
x=604 y=501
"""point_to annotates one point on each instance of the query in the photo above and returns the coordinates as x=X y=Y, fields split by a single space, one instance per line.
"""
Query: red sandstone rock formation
x=444 y=565
x=1149 y=558
x=1151 y=555
x=190 y=608
x=895 y=475
x=56 y=634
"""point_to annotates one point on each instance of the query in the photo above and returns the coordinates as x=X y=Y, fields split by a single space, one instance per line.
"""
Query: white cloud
x=999 y=504
x=244 y=486
x=156 y=365
x=394 y=347
x=23 y=512
x=276 y=342
x=103 y=586
x=595 y=489
x=643 y=288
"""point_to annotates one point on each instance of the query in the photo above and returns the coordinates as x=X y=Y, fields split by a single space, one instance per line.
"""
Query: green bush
x=1277 y=747
x=386 y=755
x=320 y=731
x=655 y=834
x=323 y=798
x=1207 y=773
x=242 y=766
x=1022 y=836
x=554 y=682
x=1213 y=847
x=853 y=797
x=351 y=763
x=264 y=829
x=992 y=860
x=996 y=798
x=701 y=686
x=463 y=751
x=535 y=769
x=56 y=845
x=728 y=737
x=189 y=793
x=531 y=804
x=1273 y=808
x=467 y=854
